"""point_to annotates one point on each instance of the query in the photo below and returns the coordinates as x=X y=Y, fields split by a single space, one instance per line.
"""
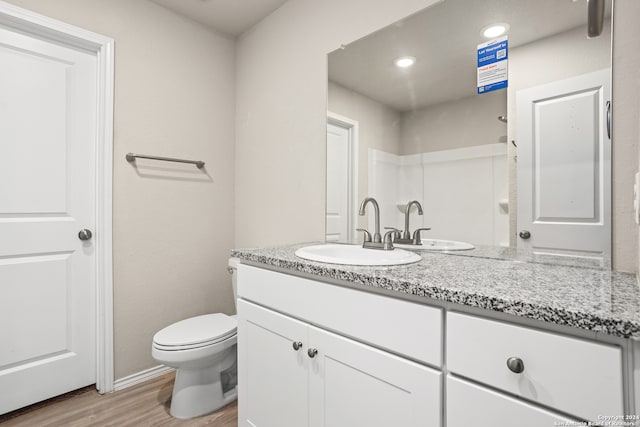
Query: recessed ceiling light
x=405 y=61
x=495 y=30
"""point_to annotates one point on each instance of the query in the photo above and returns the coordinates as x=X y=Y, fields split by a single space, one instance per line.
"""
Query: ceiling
x=444 y=38
x=231 y=17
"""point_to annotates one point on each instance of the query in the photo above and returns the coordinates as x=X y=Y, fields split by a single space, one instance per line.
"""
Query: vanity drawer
x=402 y=327
x=575 y=376
x=472 y=405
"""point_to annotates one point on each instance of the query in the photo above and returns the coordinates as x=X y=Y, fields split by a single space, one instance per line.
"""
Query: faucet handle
x=417 y=240
x=387 y=242
x=367 y=235
x=395 y=233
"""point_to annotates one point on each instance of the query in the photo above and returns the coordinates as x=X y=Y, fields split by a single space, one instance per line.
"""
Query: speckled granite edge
x=624 y=324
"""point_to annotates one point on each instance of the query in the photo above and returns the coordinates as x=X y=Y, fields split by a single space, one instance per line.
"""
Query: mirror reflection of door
x=341 y=178
x=564 y=177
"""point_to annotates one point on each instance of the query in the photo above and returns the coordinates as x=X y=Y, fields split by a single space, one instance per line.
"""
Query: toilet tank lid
x=207 y=328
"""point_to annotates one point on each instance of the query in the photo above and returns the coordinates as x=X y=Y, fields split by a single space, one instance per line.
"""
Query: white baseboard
x=141 y=376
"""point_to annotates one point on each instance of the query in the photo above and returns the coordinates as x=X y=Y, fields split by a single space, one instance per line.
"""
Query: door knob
x=312 y=352
x=524 y=234
x=297 y=345
x=85 y=234
x=515 y=365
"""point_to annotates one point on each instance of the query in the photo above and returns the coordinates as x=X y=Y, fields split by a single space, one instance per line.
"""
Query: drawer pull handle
x=312 y=352
x=297 y=345
x=515 y=365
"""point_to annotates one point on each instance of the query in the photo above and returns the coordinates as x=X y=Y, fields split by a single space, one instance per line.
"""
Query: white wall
x=379 y=124
x=173 y=226
x=281 y=113
x=462 y=123
x=378 y=127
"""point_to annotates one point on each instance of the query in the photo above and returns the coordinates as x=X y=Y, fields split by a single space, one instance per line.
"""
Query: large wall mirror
x=527 y=167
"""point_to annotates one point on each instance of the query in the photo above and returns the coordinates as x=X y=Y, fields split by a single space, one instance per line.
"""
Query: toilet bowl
x=202 y=349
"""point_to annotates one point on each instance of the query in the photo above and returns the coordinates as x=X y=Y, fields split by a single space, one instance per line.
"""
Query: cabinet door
x=272 y=376
x=352 y=384
x=472 y=405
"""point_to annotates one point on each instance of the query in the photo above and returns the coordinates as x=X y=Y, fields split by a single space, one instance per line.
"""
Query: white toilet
x=203 y=351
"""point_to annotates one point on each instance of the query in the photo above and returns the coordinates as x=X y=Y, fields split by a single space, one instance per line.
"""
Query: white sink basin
x=356 y=255
x=438 y=245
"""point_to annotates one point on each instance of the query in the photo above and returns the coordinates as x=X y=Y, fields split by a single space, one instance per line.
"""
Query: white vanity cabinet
x=317 y=354
x=329 y=381
x=295 y=372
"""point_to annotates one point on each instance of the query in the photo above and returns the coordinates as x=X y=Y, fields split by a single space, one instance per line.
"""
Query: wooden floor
x=145 y=404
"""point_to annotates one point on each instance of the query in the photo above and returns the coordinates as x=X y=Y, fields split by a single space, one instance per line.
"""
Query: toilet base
x=198 y=392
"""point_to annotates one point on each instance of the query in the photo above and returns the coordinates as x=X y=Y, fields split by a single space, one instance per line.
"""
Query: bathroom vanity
x=448 y=341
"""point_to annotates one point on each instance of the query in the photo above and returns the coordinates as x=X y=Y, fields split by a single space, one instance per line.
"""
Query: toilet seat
x=196 y=332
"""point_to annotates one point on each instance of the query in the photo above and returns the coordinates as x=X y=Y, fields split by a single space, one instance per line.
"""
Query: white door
x=352 y=384
x=564 y=166
x=272 y=375
x=338 y=183
x=47 y=175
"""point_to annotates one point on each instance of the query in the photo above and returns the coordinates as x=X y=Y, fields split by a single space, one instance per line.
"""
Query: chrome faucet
x=406 y=234
x=376 y=242
x=377 y=238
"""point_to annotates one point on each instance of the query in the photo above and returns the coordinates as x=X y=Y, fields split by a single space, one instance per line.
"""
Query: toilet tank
x=233 y=269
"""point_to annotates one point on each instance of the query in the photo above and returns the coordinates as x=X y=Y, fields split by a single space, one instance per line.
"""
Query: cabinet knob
x=515 y=365
x=297 y=345
x=312 y=352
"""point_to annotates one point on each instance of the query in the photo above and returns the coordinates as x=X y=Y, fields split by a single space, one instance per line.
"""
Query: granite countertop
x=569 y=259
x=592 y=299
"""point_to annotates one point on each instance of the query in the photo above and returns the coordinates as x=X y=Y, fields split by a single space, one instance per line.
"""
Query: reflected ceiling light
x=405 y=61
x=495 y=30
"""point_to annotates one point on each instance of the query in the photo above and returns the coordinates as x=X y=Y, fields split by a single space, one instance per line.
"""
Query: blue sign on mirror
x=492 y=65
